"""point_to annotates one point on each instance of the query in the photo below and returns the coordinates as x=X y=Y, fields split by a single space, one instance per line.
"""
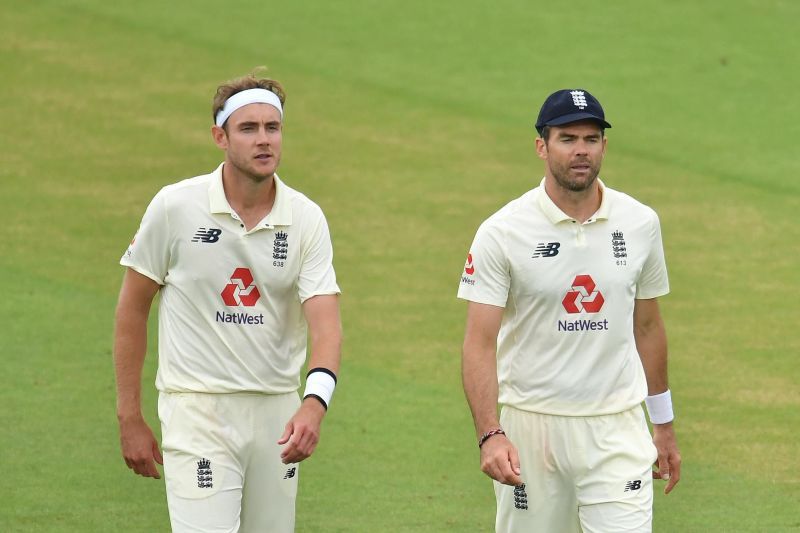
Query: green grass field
x=409 y=123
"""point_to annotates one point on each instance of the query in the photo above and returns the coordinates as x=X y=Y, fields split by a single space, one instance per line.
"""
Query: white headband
x=250 y=96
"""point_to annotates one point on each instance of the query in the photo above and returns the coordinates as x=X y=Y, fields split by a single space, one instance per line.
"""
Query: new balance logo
x=633 y=485
x=207 y=235
x=520 y=497
x=290 y=473
x=549 y=249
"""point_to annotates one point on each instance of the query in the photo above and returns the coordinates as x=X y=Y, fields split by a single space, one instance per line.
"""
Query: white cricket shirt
x=566 y=344
x=230 y=315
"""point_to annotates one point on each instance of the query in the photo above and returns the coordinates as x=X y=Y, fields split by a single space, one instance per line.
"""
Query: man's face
x=573 y=154
x=252 y=140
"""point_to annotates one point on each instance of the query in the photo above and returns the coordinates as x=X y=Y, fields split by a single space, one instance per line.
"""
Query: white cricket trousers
x=222 y=463
x=590 y=474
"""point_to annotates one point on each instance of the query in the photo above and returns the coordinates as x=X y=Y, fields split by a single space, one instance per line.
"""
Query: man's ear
x=541 y=148
x=220 y=136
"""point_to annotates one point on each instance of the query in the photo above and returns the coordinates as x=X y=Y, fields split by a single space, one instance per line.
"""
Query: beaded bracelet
x=492 y=433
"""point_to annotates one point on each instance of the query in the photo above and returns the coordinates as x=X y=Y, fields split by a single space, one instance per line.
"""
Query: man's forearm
x=651 y=343
x=652 y=347
x=326 y=351
x=130 y=346
x=479 y=376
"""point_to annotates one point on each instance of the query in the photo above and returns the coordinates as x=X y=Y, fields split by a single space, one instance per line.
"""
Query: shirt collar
x=280 y=215
x=556 y=215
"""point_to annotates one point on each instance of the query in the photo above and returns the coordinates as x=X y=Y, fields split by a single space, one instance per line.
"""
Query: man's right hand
x=500 y=460
x=140 y=448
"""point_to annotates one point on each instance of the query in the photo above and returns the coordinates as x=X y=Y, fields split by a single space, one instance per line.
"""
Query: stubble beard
x=577 y=183
x=251 y=173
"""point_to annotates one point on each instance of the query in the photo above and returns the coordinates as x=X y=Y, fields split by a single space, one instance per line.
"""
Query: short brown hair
x=545 y=133
x=251 y=81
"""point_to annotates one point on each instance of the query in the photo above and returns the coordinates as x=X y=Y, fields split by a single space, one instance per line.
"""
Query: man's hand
x=302 y=432
x=500 y=460
x=668 y=465
x=139 y=447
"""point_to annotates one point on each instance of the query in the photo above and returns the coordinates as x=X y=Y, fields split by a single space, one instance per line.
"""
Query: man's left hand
x=668 y=464
x=302 y=432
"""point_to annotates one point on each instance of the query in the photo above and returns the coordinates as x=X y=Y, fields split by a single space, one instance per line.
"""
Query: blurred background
x=409 y=123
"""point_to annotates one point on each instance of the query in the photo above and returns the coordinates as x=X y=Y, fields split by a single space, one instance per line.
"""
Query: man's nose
x=581 y=148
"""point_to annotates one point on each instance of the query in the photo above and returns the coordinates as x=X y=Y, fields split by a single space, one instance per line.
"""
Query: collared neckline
x=556 y=215
x=279 y=215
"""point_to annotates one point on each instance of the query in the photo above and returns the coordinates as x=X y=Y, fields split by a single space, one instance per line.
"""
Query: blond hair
x=251 y=81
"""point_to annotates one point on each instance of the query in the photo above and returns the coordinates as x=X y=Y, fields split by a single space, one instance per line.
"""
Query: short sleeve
x=486 y=277
x=316 y=268
x=653 y=281
x=148 y=252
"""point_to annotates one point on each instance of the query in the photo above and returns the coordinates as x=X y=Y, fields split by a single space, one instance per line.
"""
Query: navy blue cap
x=570 y=105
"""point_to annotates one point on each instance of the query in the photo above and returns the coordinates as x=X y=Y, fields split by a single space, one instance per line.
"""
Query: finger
x=289 y=451
x=157 y=454
x=287 y=433
x=507 y=476
x=307 y=443
x=513 y=458
x=148 y=469
x=675 y=476
x=140 y=467
x=663 y=467
x=291 y=456
x=304 y=447
x=513 y=480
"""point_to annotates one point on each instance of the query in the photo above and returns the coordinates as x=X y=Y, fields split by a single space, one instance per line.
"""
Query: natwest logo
x=241 y=290
x=469 y=268
x=583 y=296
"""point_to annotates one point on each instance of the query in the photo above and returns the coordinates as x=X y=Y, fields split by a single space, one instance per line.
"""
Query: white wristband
x=320 y=383
x=659 y=407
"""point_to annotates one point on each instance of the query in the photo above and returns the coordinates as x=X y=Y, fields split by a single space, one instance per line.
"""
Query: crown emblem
x=579 y=99
x=617 y=235
x=203 y=464
x=281 y=236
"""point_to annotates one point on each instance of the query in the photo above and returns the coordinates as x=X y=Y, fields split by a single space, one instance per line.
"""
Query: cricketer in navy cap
x=570 y=105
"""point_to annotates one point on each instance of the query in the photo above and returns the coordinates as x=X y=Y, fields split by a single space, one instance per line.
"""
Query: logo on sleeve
x=469 y=268
x=546 y=249
x=209 y=235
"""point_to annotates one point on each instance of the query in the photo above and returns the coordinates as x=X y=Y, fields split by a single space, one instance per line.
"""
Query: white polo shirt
x=230 y=315
x=566 y=343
